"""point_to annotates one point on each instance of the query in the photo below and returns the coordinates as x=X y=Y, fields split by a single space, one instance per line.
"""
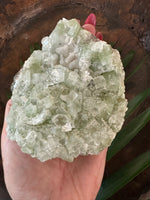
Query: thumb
x=7 y=109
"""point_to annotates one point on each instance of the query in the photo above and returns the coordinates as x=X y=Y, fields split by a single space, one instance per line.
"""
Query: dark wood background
x=126 y=23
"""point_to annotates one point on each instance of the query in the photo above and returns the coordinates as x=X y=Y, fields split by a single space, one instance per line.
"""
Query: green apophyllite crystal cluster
x=68 y=98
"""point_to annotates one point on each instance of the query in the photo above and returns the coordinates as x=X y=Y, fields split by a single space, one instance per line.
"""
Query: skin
x=27 y=178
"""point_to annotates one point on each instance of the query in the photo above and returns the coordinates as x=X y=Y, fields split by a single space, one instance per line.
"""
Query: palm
x=27 y=178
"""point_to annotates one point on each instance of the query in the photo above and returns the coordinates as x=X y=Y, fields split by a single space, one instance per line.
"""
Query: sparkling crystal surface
x=68 y=98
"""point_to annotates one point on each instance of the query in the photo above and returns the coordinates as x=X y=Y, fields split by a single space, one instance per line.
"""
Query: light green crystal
x=68 y=98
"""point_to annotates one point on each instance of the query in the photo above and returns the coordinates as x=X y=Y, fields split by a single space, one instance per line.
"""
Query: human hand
x=27 y=178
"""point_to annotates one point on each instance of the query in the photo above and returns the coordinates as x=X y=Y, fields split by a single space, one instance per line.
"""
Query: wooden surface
x=126 y=23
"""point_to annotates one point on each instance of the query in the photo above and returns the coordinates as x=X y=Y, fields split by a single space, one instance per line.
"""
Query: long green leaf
x=128 y=133
x=9 y=93
x=112 y=44
x=119 y=49
x=21 y=63
x=31 y=48
x=128 y=58
x=136 y=69
x=123 y=176
x=136 y=101
x=37 y=46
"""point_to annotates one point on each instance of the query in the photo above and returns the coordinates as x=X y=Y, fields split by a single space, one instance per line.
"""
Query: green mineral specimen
x=68 y=99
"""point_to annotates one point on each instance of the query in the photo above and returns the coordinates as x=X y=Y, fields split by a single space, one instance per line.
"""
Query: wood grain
x=126 y=23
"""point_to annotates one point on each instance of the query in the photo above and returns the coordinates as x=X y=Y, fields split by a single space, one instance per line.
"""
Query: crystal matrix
x=68 y=98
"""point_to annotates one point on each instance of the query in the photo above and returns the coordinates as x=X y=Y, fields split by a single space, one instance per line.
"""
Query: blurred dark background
x=125 y=23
